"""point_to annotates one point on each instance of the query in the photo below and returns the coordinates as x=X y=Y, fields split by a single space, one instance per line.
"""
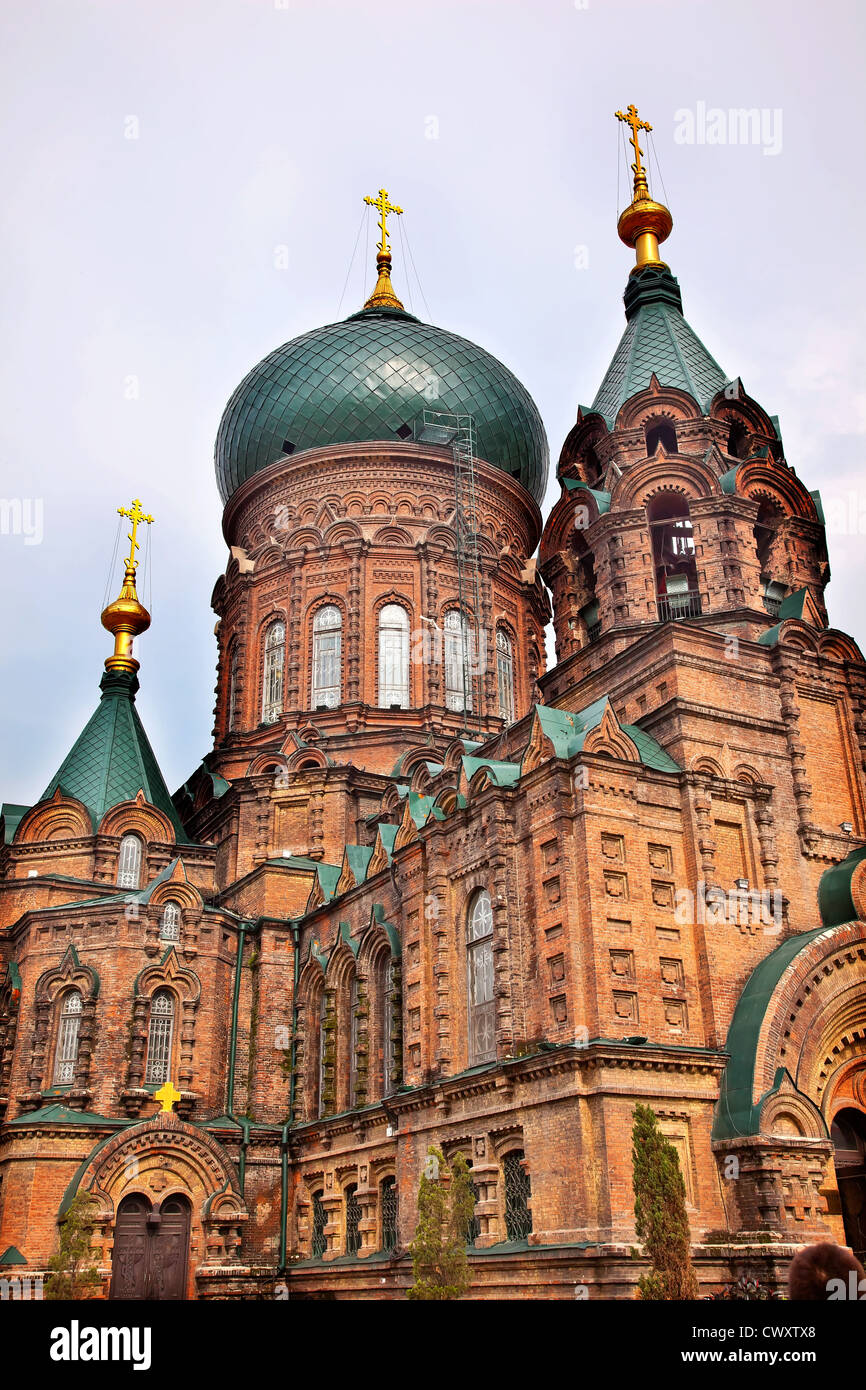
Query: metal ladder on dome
x=458 y=431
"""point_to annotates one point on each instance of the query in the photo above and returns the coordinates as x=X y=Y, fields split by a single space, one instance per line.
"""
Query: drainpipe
x=284 y=1136
x=240 y=1120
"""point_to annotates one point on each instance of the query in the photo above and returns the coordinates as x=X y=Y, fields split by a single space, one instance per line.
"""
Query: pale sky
x=145 y=276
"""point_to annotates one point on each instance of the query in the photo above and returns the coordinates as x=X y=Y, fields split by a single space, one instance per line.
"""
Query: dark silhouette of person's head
x=812 y=1270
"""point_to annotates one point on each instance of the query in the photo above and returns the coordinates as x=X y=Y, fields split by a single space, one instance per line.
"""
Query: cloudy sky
x=182 y=190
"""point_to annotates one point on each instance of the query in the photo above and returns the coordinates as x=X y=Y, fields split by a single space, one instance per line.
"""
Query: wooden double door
x=151 y=1248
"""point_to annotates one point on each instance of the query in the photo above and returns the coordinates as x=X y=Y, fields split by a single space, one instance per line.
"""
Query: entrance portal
x=849 y=1136
x=151 y=1245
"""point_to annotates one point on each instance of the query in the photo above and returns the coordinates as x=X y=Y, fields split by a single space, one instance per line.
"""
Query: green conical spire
x=112 y=760
x=657 y=342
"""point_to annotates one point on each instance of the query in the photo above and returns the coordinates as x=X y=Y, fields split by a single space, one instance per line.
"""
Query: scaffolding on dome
x=458 y=433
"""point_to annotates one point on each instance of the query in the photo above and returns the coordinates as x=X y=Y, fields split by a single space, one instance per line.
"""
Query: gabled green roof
x=112 y=760
x=12 y=1256
x=657 y=341
x=329 y=877
x=602 y=499
x=358 y=857
x=503 y=774
x=56 y=1114
x=567 y=731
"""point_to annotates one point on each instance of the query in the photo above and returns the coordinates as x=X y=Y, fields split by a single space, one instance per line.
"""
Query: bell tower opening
x=674 y=567
x=661 y=432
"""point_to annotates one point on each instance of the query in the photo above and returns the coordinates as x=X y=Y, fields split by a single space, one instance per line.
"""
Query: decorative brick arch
x=138 y=817
x=163 y=1157
x=61 y=818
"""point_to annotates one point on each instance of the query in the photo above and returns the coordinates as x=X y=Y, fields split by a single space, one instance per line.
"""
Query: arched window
x=353 y=1041
x=673 y=545
x=505 y=675
x=482 y=1022
x=518 y=1217
x=661 y=433
x=129 y=862
x=233 y=685
x=388 y=1208
x=169 y=927
x=394 y=656
x=327 y=642
x=458 y=662
x=353 y=1220
x=272 y=684
x=68 y=1031
x=319 y=1242
x=159 y=1038
x=388 y=1002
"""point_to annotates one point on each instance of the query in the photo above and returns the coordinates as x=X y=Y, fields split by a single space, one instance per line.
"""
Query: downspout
x=241 y=1121
x=284 y=1137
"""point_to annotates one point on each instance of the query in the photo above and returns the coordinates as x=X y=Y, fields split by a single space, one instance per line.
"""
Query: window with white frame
x=458 y=667
x=327 y=656
x=479 y=951
x=159 y=1038
x=68 y=1033
x=129 y=862
x=394 y=656
x=274 y=666
x=505 y=675
x=169 y=926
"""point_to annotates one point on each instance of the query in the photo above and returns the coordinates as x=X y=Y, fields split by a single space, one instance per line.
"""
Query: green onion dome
x=370 y=378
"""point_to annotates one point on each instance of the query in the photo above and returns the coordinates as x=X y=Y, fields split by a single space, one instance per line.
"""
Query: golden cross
x=384 y=208
x=135 y=515
x=631 y=119
x=167 y=1095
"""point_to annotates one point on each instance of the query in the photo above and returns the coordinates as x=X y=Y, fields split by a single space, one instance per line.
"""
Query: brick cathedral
x=425 y=891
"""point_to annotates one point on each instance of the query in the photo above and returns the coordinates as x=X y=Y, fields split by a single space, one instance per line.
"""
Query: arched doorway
x=151 y=1245
x=848 y=1133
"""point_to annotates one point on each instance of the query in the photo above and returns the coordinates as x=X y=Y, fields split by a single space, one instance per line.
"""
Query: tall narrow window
x=327 y=646
x=518 y=1218
x=388 y=1027
x=129 y=863
x=388 y=1200
x=482 y=1038
x=233 y=685
x=323 y=1037
x=505 y=675
x=319 y=1243
x=353 y=1220
x=159 y=1038
x=394 y=656
x=458 y=661
x=169 y=927
x=272 y=684
x=68 y=1031
x=353 y=1040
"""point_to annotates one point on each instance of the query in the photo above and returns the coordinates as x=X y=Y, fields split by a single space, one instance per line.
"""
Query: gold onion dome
x=644 y=223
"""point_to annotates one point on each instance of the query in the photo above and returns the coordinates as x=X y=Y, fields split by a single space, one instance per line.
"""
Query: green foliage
x=446 y=1203
x=72 y=1277
x=661 y=1221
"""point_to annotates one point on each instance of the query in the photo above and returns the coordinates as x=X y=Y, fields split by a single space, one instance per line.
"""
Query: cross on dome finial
x=631 y=119
x=126 y=618
x=384 y=208
x=383 y=296
x=644 y=223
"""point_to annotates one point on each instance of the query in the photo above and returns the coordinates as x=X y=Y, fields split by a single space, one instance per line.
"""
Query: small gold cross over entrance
x=167 y=1095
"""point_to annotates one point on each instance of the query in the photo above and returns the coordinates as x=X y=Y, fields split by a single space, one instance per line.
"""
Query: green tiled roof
x=602 y=499
x=567 y=731
x=12 y=818
x=56 y=1114
x=369 y=378
x=503 y=774
x=735 y=1113
x=835 y=902
x=329 y=877
x=657 y=340
x=112 y=760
